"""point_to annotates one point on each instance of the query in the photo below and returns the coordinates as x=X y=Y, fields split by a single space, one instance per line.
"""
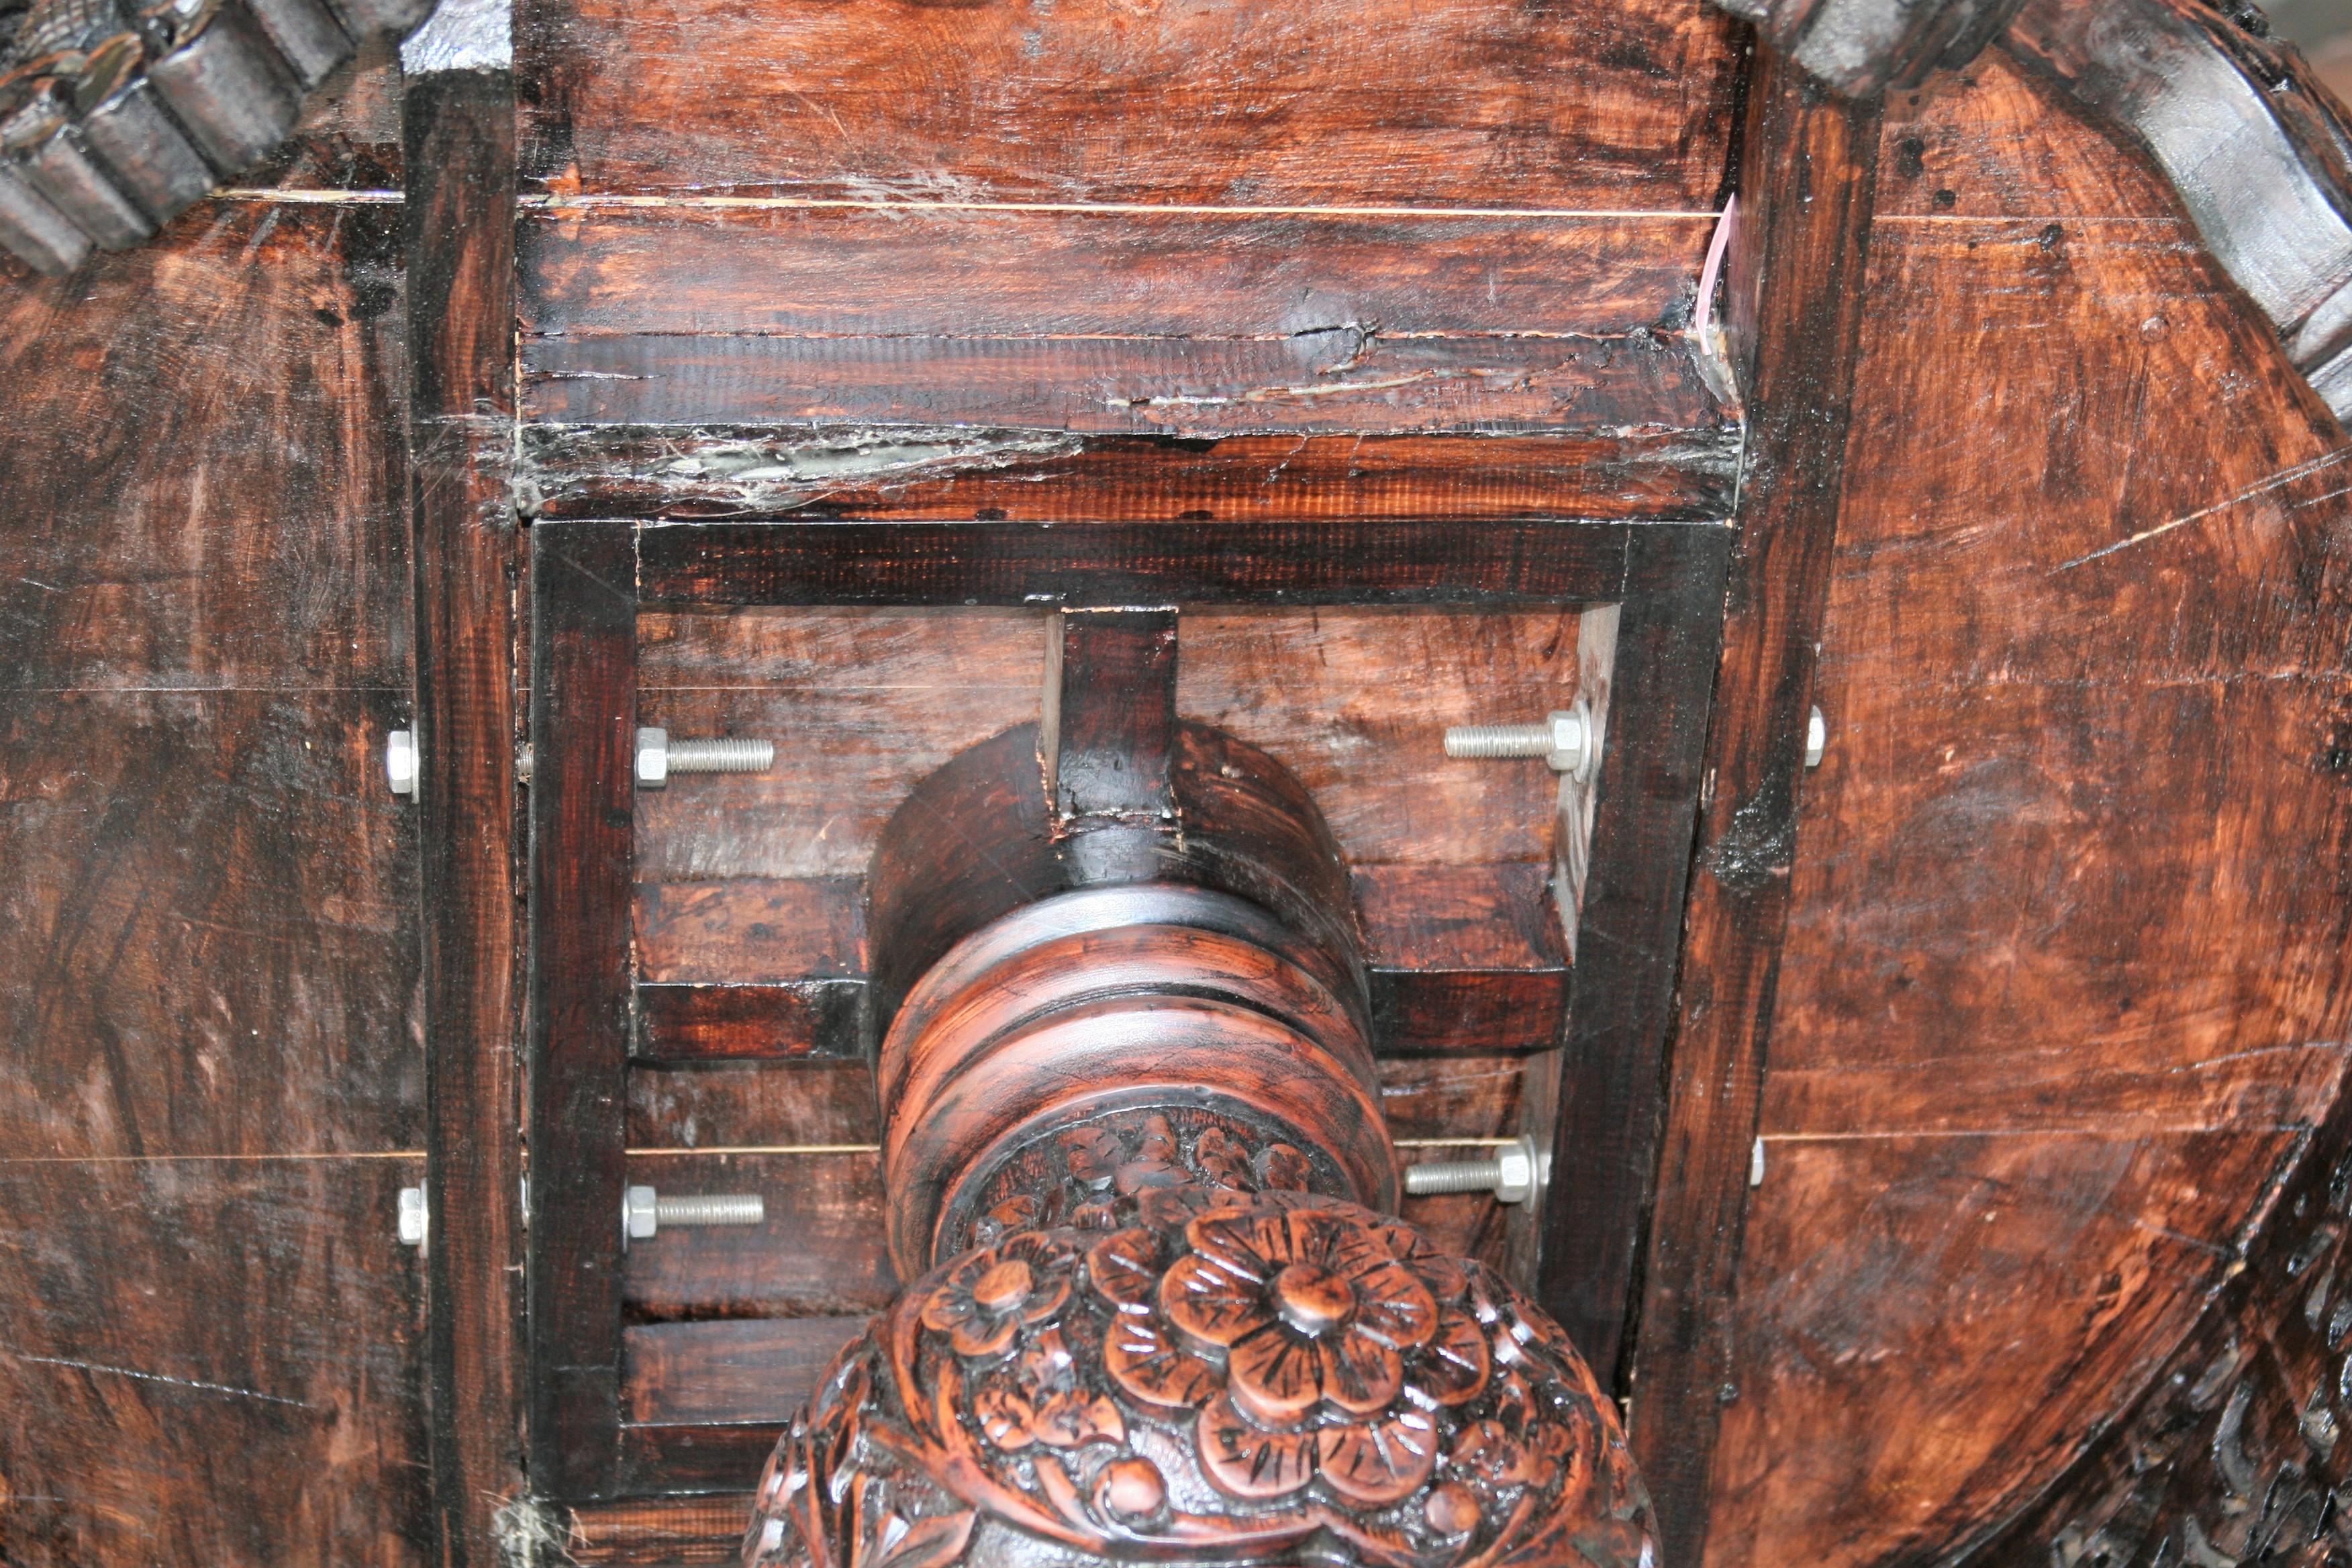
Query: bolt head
x=413 y=1216
x=400 y=761
x=1817 y=738
x=637 y=1214
x=653 y=758
x=1517 y=1182
x=1574 y=747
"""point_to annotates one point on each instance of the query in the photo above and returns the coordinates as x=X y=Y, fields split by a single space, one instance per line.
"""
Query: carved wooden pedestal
x=1138 y=1166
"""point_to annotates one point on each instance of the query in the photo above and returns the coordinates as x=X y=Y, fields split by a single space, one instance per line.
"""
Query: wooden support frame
x=589 y=579
x=459 y=130
x=1796 y=285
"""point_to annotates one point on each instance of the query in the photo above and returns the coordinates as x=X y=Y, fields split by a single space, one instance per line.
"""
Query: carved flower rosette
x=1227 y=1377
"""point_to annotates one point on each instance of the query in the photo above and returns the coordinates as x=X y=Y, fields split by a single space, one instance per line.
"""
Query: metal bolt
x=1567 y=742
x=415 y=1217
x=1817 y=738
x=1510 y=1176
x=659 y=757
x=644 y=1210
x=522 y=763
x=400 y=761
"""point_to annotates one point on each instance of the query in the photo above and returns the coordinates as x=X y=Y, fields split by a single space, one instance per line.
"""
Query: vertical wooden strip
x=582 y=797
x=1806 y=200
x=1604 y=1146
x=1108 y=737
x=459 y=130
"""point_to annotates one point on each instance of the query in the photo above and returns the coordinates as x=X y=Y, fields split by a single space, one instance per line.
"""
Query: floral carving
x=1101 y=1175
x=1226 y=1376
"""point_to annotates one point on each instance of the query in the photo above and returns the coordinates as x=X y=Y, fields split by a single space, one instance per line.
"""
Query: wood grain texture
x=658 y=1532
x=763 y=1370
x=236 y=1374
x=582 y=725
x=861 y=704
x=1130 y=384
x=1460 y=103
x=721 y=472
x=1362 y=719
x=1795 y=283
x=2236 y=1450
x=286 y=569
x=999 y=564
x=459 y=264
x=2066 y=932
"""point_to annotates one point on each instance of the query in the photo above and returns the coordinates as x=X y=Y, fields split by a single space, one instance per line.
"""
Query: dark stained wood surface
x=214 y=1350
x=459 y=264
x=1795 y=285
x=1356 y=701
x=583 y=727
x=1462 y=103
x=2236 y=1450
x=234 y=1374
x=2063 y=988
x=1006 y=563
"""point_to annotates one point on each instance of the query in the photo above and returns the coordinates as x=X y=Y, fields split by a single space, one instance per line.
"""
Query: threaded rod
x=711 y=1208
x=1498 y=741
x=1452 y=1177
x=729 y=756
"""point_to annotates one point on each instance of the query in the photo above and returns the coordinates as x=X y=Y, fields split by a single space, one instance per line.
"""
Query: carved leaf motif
x=1093 y=1153
x=1074 y=1417
x=1456 y=1364
x=928 y=1542
x=1138 y=1175
x=1211 y=1299
x=1485 y=1450
x=1220 y=1160
x=1284 y=1168
x=1005 y=1418
x=1380 y=1462
x=1244 y=1462
x=1158 y=1141
x=1147 y=1363
x=1275 y=1374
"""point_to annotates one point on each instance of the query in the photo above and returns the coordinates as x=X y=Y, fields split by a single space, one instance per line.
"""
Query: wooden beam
x=458 y=136
x=1795 y=299
x=584 y=699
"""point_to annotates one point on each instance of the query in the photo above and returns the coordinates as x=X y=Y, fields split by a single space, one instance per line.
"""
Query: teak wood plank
x=749 y=1370
x=459 y=263
x=1327 y=283
x=583 y=724
x=2066 y=934
x=1796 y=289
x=215 y=1361
x=715 y=470
x=827 y=1104
x=1131 y=384
x=1463 y=959
x=1322 y=102
x=819 y=1254
x=193 y=975
x=1356 y=703
x=862 y=704
x=1604 y=1145
x=1110 y=563
x=262 y=347
x=695 y=1532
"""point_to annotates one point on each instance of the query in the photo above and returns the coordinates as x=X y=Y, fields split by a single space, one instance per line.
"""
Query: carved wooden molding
x=1223 y=1377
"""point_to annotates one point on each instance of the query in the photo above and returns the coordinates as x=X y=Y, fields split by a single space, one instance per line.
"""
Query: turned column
x=1141 y=1186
